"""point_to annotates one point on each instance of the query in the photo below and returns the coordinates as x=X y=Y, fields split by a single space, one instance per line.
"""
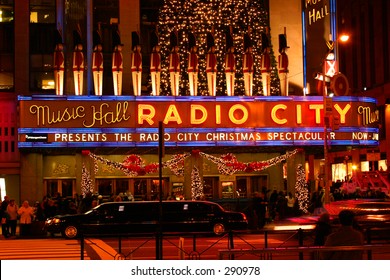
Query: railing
x=294 y=241
x=300 y=253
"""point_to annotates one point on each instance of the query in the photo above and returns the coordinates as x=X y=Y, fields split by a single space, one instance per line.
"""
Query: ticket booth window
x=227 y=189
x=178 y=190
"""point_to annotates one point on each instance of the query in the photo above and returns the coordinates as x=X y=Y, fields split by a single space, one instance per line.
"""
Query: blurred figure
x=260 y=208
x=4 y=216
x=38 y=211
x=346 y=235
x=322 y=230
x=290 y=204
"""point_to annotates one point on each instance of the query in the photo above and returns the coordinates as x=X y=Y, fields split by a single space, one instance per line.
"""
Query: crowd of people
x=11 y=214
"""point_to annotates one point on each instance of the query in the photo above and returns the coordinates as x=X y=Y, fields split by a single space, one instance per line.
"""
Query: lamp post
x=328 y=107
x=326 y=124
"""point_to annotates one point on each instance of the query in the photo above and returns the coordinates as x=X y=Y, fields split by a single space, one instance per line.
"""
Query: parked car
x=143 y=217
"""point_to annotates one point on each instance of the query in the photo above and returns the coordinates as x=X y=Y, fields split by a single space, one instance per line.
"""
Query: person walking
x=12 y=210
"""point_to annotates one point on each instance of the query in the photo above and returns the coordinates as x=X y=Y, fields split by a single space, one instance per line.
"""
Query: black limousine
x=143 y=217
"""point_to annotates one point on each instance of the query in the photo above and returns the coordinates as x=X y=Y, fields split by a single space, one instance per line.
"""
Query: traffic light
x=335 y=122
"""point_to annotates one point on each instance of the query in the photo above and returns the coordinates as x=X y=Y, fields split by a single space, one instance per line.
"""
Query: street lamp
x=328 y=65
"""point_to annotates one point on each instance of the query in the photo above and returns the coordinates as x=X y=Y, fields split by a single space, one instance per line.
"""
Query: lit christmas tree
x=196 y=185
x=200 y=17
x=301 y=190
x=86 y=182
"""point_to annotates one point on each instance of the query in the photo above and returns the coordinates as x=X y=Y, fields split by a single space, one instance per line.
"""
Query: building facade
x=63 y=151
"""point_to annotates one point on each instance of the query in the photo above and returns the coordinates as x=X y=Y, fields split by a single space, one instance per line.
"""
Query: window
x=122 y=186
x=242 y=186
x=210 y=187
x=104 y=187
x=140 y=190
x=227 y=190
x=65 y=187
x=42 y=27
x=6 y=45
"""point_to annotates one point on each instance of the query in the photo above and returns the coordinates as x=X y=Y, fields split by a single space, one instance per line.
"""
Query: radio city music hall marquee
x=106 y=121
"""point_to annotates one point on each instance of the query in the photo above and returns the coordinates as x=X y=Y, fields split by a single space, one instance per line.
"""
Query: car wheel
x=219 y=228
x=70 y=231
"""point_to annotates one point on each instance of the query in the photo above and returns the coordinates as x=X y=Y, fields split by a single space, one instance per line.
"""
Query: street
x=174 y=247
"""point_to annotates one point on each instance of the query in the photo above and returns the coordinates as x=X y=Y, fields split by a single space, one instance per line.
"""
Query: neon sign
x=198 y=121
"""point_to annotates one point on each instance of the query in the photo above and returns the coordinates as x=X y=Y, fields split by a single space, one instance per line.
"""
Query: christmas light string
x=133 y=165
x=301 y=189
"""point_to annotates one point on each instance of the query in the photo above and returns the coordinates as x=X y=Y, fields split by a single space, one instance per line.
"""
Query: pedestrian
x=290 y=204
x=322 y=230
x=346 y=235
x=319 y=202
x=272 y=204
x=12 y=210
x=260 y=209
x=26 y=213
x=4 y=216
